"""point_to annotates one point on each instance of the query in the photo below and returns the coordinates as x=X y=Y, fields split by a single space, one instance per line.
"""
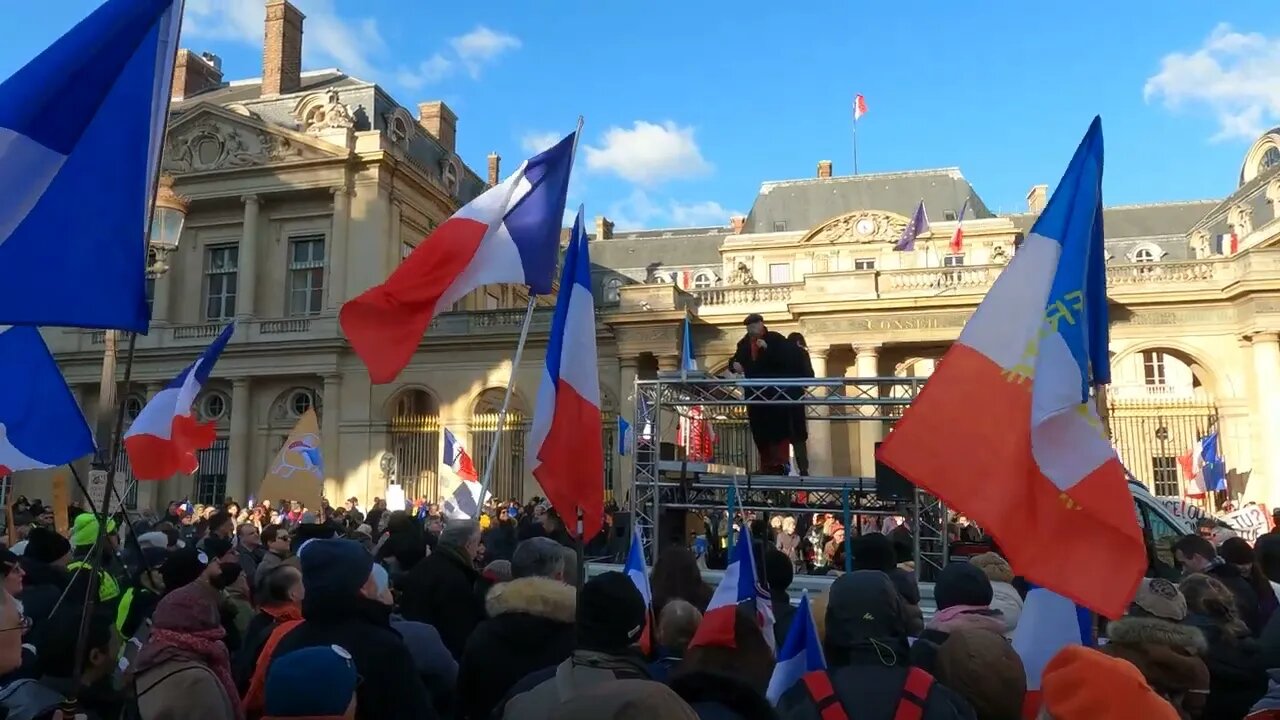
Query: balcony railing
x=744 y=294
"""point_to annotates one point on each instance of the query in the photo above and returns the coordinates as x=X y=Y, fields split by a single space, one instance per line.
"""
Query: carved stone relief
x=1240 y=218
x=741 y=275
x=328 y=115
x=212 y=145
x=860 y=227
x=1200 y=244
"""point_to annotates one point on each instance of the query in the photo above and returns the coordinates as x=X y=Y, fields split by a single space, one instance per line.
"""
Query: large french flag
x=565 y=454
x=457 y=458
x=41 y=425
x=739 y=586
x=165 y=436
x=1049 y=623
x=635 y=569
x=510 y=234
x=81 y=128
x=1006 y=431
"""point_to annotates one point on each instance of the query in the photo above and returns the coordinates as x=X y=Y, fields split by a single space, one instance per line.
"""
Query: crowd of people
x=275 y=611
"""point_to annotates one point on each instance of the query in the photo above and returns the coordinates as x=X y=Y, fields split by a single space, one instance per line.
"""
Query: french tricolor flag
x=1049 y=623
x=739 y=586
x=956 y=246
x=457 y=458
x=508 y=235
x=801 y=652
x=465 y=503
x=165 y=436
x=1045 y=480
x=565 y=454
x=635 y=569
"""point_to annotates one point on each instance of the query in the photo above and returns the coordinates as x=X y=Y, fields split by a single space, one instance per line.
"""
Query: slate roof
x=805 y=204
x=371 y=109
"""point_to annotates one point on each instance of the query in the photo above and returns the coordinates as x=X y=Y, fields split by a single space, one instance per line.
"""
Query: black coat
x=530 y=627
x=41 y=588
x=391 y=687
x=769 y=423
x=1237 y=673
x=720 y=697
x=440 y=591
x=1247 y=603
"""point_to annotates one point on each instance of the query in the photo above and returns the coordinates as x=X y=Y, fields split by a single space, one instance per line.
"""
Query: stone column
x=820 y=463
x=334 y=477
x=869 y=431
x=625 y=477
x=160 y=298
x=337 y=260
x=240 y=442
x=396 y=245
x=246 y=285
x=1266 y=424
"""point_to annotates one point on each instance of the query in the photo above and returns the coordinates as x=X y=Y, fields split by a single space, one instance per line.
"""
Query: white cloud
x=648 y=153
x=535 y=142
x=1232 y=75
x=429 y=71
x=639 y=210
x=481 y=47
x=239 y=20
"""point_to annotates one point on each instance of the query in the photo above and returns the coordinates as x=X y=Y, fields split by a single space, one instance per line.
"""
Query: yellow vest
x=108 y=588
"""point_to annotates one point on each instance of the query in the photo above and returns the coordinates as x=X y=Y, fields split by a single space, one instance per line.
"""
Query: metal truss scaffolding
x=714 y=484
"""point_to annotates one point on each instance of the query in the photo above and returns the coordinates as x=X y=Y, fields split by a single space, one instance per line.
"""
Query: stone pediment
x=211 y=138
x=862 y=226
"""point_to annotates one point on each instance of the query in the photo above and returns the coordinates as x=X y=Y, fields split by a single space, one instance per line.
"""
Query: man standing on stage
x=763 y=353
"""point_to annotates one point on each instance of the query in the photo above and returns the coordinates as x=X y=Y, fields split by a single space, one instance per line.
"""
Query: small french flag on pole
x=1049 y=623
x=801 y=652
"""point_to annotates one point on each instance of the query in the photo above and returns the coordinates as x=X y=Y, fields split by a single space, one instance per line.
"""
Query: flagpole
x=855 y=137
x=486 y=480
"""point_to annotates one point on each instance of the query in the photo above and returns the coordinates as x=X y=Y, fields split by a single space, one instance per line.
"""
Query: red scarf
x=202 y=646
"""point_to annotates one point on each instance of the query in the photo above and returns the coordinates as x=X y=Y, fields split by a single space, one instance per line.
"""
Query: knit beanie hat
x=610 y=615
x=984 y=668
x=45 y=545
x=1160 y=598
x=191 y=608
x=84 y=530
x=996 y=568
x=314 y=682
x=960 y=583
x=182 y=567
x=335 y=567
x=1083 y=684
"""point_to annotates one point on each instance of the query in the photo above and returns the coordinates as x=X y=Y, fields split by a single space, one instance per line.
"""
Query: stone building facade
x=308 y=187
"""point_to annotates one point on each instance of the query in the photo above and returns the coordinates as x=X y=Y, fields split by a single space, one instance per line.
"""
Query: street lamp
x=168 y=216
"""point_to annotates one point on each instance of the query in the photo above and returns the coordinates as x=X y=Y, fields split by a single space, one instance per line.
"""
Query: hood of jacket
x=707 y=692
x=1153 y=631
x=537 y=596
x=335 y=610
x=865 y=619
x=1005 y=598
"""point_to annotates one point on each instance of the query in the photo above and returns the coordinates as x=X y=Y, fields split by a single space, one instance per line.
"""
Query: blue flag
x=624 y=436
x=687 y=363
x=919 y=224
x=801 y=652
x=41 y=425
x=81 y=127
x=1214 y=469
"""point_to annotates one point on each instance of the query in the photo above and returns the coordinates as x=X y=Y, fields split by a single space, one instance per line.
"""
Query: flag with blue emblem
x=41 y=425
x=81 y=128
x=1028 y=358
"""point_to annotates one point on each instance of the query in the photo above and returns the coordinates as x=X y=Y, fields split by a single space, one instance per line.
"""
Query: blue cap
x=314 y=682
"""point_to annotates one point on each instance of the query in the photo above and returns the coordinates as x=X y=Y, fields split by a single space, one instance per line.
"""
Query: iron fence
x=509 y=474
x=1150 y=436
x=211 y=479
x=415 y=441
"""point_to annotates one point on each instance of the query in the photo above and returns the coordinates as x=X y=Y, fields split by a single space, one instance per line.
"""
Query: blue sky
x=689 y=106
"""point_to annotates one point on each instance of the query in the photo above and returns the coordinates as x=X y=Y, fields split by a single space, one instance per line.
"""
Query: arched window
x=1144 y=255
x=703 y=280
x=613 y=290
x=213 y=406
x=300 y=401
x=1270 y=159
x=661 y=278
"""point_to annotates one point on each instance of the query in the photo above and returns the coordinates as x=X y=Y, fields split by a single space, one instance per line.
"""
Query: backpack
x=910 y=705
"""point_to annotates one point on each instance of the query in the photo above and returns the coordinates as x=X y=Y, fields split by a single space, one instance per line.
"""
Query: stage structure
x=665 y=480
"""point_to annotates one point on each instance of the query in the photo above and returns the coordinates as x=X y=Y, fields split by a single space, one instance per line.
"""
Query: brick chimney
x=194 y=73
x=437 y=119
x=282 y=49
x=824 y=168
x=738 y=223
x=1037 y=198
x=604 y=228
x=495 y=163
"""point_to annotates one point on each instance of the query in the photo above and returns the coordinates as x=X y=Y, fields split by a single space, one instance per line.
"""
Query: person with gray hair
x=440 y=590
x=530 y=627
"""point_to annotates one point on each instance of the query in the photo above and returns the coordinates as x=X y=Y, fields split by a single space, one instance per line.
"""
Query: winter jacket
x=268 y=561
x=783 y=613
x=1247 y=602
x=1169 y=656
x=255 y=637
x=530 y=627
x=30 y=699
x=539 y=694
x=181 y=690
x=1237 y=678
x=924 y=652
x=391 y=688
x=1268 y=708
x=41 y=588
x=439 y=591
x=249 y=561
x=714 y=696
x=867 y=657
x=1007 y=600
x=432 y=660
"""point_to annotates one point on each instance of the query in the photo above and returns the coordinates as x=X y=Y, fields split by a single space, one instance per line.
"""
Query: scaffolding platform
x=715 y=485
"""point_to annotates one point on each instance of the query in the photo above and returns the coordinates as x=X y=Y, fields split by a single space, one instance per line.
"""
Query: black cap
x=962 y=583
x=46 y=546
x=611 y=613
x=753 y=318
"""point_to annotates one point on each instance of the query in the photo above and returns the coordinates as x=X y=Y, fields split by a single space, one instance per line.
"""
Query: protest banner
x=1249 y=521
x=1182 y=509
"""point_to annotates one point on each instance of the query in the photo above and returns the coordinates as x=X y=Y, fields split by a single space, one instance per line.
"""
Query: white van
x=1154 y=516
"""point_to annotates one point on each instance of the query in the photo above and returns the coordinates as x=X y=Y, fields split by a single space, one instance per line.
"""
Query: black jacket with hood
x=530 y=627
x=867 y=656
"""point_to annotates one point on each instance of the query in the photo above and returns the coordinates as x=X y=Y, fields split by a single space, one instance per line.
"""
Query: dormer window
x=449 y=176
x=399 y=130
x=1270 y=159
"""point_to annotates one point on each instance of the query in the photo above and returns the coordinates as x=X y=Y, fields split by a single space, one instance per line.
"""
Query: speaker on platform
x=889 y=484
